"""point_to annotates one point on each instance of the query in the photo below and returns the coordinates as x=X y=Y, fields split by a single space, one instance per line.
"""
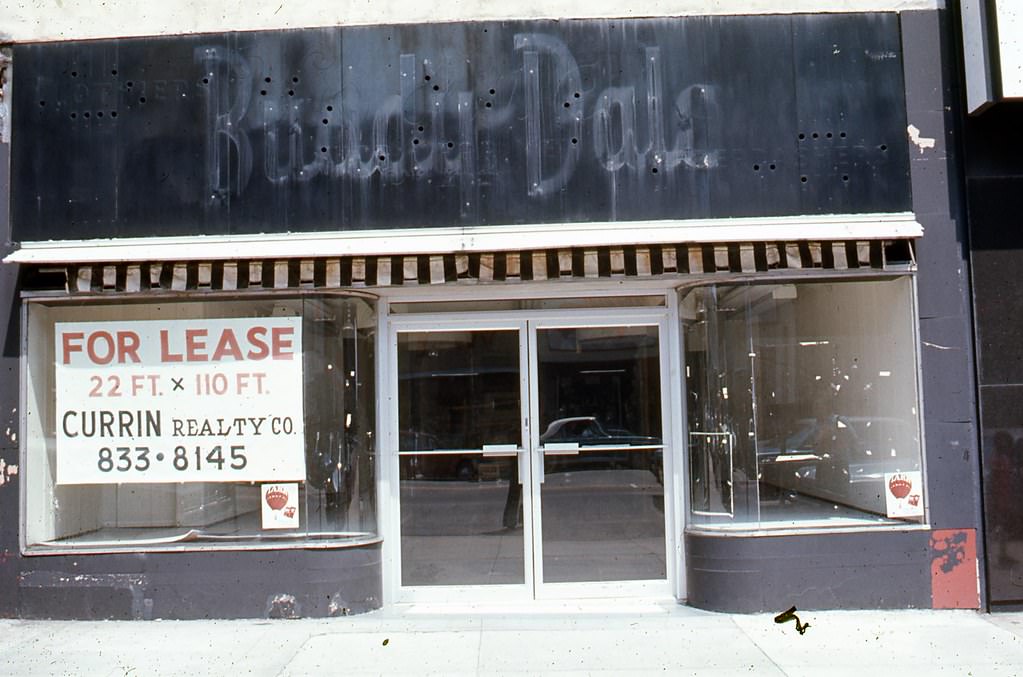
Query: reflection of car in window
x=590 y=434
x=434 y=467
x=587 y=430
x=826 y=457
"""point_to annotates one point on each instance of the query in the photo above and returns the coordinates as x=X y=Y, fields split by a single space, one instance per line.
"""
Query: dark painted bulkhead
x=191 y=585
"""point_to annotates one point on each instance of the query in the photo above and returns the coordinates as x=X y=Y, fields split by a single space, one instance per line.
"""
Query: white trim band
x=40 y=22
x=471 y=239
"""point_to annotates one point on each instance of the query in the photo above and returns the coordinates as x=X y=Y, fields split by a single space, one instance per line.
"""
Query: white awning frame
x=434 y=241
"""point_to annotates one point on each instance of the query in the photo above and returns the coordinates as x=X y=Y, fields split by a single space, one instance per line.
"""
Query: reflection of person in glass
x=1000 y=478
x=513 y=503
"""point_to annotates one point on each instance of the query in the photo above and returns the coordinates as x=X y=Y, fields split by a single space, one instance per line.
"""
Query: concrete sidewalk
x=619 y=638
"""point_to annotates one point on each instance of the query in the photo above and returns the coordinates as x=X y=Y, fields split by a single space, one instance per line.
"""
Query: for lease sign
x=210 y=400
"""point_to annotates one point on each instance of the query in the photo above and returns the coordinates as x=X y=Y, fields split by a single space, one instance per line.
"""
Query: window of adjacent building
x=802 y=404
x=199 y=423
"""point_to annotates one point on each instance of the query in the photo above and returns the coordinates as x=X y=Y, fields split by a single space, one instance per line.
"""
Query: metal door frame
x=527 y=322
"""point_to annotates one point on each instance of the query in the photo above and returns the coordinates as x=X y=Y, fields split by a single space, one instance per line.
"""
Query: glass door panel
x=460 y=441
x=600 y=454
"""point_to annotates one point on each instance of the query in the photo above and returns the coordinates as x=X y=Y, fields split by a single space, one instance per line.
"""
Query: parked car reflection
x=601 y=448
x=828 y=457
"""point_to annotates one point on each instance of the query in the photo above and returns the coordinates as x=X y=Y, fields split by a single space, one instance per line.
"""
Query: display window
x=802 y=404
x=213 y=423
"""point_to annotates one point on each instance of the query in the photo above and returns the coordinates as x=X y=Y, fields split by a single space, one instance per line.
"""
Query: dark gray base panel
x=821 y=571
x=225 y=584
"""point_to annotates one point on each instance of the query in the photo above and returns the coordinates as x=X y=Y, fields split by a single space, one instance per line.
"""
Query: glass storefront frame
x=568 y=304
x=677 y=485
x=529 y=322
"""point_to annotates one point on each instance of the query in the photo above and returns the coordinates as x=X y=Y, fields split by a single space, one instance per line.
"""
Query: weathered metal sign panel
x=459 y=124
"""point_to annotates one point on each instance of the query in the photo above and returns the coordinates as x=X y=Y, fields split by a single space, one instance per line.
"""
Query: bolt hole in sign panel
x=211 y=400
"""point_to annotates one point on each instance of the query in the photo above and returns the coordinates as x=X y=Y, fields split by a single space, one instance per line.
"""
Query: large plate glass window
x=209 y=423
x=802 y=404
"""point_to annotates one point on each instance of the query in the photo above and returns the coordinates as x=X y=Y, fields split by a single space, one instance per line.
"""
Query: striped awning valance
x=509 y=266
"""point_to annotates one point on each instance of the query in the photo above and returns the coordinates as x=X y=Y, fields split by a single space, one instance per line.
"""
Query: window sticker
x=280 y=505
x=904 y=494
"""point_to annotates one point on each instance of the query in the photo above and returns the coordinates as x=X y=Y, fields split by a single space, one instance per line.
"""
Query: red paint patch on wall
x=954 y=572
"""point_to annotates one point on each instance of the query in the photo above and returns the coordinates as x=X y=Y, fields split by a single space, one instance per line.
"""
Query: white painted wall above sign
x=25 y=21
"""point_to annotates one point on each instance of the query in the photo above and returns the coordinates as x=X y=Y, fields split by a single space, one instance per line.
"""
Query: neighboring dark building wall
x=994 y=167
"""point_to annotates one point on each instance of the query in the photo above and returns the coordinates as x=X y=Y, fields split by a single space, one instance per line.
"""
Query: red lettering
x=165 y=354
x=69 y=347
x=260 y=348
x=281 y=339
x=127 y=346
x=90 y=346
x=227 y=345
x=194 y=343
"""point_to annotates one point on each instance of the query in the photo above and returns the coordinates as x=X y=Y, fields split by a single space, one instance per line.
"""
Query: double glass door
x=531 y=456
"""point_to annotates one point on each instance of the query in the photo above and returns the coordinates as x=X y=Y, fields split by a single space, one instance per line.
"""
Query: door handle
x=508 y=451
x=560 y=449
x=499 y=450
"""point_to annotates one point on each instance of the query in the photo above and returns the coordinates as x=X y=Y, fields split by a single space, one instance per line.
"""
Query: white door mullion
x=535 y=460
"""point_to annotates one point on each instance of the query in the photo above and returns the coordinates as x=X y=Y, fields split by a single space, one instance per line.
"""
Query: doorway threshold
x=574 y=607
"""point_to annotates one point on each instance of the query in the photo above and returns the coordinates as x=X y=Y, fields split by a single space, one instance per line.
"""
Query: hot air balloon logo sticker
x=280 y=505
x=904 y=494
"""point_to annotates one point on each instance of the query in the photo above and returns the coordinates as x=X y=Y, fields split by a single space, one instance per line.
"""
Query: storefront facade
x=310 y=322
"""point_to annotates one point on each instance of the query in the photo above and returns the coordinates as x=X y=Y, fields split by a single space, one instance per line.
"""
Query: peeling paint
x=5 y=104
x=880 y=56
x=135 y=584
x=283 y=606
x=954 y=569
x=7 y=472
x=921 y=142
x=338 y=607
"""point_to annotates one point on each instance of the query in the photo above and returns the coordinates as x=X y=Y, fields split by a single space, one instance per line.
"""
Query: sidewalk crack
x=757 y=645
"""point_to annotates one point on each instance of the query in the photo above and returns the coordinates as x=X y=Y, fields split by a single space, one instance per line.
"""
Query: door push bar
x=560 y=449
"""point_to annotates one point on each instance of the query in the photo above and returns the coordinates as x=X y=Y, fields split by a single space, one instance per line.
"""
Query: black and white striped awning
x=646 y=261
